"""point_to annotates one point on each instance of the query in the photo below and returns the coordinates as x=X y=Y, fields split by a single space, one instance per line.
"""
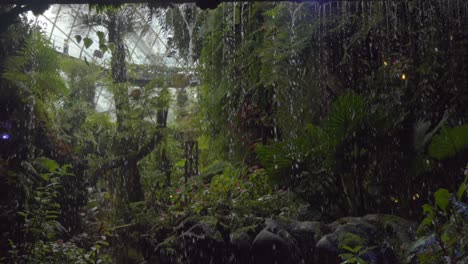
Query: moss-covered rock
x=202 y=244
x=202 y=239
x=269 y=247
x=398 y=231
x=385 y=236
x=251 y=230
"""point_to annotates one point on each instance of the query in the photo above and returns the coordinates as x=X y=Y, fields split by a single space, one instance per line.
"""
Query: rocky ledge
x=386 y=239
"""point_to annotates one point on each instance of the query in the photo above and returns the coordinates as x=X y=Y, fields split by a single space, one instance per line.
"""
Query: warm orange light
x=403 y=76
x=385 y=63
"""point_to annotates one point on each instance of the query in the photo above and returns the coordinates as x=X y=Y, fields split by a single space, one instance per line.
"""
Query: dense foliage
x=304 y=112
x=342 y=100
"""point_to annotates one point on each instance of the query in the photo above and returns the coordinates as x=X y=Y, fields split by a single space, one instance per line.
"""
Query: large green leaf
x=101 y=36
x=87 y=42
x=78 y=38
x=442 y=199
x=423 y=243
x=449 y=143
x=48 y=164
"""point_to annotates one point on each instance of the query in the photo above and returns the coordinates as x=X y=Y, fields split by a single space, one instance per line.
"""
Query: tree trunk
x=134 y=189
x=118 y=67
x=129 y=170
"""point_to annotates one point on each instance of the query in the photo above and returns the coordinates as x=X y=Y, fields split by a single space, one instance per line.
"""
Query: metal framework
x=146 y=47
x=156 y=2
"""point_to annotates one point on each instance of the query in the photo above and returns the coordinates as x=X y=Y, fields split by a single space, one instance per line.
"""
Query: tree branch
x=136 y=155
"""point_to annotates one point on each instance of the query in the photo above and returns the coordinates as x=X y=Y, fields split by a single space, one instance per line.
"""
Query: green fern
x=35 y=72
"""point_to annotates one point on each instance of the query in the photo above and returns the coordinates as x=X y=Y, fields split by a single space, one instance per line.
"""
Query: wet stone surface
x=285 y=240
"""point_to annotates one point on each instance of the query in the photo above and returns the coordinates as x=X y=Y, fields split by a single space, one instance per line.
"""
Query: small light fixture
x=385 y=63
x=5 y=136
x=403 y=76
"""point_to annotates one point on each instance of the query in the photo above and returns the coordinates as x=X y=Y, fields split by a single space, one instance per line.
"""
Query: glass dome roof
x=148 y=46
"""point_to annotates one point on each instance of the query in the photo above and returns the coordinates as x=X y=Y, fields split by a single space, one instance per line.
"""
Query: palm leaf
x=449 y=143
x=348 y=112
x=281 y=158
x=274 y=157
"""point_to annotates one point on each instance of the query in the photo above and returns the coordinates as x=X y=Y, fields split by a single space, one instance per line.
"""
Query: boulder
x=286 y=241
x=272 y=248
x=282 y=240
x=306 y=234
x=241 y=246
x=308 y=213
x=386 y=237
x=242 y=241
x=202 y=244
x=398 y=232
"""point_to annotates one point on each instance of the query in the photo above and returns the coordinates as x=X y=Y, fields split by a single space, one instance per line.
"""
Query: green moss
x=133 y=253
x=395 y=225
x=310 y=226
